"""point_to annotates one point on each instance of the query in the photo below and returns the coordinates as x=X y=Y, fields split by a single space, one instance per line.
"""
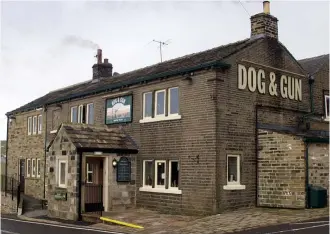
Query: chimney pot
x=106 y=60
x=99 y=56
x=266 y=5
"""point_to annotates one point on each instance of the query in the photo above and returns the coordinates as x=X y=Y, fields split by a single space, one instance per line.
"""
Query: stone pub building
x=243 y=124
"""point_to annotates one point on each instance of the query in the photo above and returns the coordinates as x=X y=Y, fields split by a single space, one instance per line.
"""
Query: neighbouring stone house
x=234 y=126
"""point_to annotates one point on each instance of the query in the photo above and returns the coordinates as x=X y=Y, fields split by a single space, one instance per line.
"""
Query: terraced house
x=244 y=124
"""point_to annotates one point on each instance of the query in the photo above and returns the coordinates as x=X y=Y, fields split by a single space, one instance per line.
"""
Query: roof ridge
x=314 y=57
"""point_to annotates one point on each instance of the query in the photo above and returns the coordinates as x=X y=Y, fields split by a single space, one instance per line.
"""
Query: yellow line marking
x=121 y=223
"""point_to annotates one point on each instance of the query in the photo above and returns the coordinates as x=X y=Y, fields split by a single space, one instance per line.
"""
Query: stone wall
x=8 y=206
x=62 y=149
x=318 y=165
x=281 y=170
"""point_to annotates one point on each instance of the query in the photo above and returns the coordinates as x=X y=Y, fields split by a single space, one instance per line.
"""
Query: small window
x=173 y=102
x=38 y=167
x=160 y=175
x=34 y=167
x=174 y=174
x=147 y=105
x=233 y=169
x=74 y=114
x=327 y=107
x=160 y=103
x=90 y=114
x=89 y=173
x=62 y=173
x=29 y=125
x=28 y=169
x=147 y=173
x=39 y=124
x=34 y=125
x=81 y=114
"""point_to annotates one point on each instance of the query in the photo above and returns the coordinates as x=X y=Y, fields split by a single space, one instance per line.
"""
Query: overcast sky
x=42 y=45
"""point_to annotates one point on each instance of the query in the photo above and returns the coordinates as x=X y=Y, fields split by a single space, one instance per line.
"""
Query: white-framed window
x=38 y=167
x=327 y=107
x=173 y=177
x=147 y=105
x=34 y=167
x=160 y=102
x=160 y=173
x=90 y=113
x=74 y=114
x=34 y=125
x=39 y=124
x=233 y=173
x=81 y=114
x=62 y=173
x=173 y=101
x=28 y=167
x=147 y=173
x=29 y=126
x=89 y=173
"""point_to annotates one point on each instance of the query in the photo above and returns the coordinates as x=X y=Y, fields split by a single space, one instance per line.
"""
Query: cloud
x=78 y=41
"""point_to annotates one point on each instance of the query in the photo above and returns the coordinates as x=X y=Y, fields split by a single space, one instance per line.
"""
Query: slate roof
x=314 y=64
x=92 y=137
x=159 y=70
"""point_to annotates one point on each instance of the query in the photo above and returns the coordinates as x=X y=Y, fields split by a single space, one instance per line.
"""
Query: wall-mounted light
x=114 y=163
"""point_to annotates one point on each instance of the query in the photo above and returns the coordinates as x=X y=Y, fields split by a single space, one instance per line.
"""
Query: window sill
x=53 y=131
x=156 y=119
x=234 y=187
x=160 y=190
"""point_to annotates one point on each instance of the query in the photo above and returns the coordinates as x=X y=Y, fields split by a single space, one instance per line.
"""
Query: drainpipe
x=45 y=151
x=311 y=97
x=6 y=170
x=256 y=151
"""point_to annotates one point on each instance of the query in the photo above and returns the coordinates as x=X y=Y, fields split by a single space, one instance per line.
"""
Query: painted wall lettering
x=256 y=79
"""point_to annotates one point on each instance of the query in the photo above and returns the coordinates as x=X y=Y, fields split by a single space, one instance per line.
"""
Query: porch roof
x=92 y=138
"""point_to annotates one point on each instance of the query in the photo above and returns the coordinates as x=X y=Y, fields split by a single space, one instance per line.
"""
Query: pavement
x=243 y=221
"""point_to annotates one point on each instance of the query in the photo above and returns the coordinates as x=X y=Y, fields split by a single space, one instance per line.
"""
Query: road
x=17 y=226
x=317 y=226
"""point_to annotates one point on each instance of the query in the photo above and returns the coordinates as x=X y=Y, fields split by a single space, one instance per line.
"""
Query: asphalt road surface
x=17 y=226
x=317 y=226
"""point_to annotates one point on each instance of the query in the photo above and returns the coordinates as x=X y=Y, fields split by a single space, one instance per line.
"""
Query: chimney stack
x=264 y=24
x=101 y=70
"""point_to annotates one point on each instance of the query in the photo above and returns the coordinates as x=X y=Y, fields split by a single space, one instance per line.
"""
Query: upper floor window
x=83 y=114
x=161 y=105
x=34 y=125
x=29 y=125
x=327 y=107
x=39 y=124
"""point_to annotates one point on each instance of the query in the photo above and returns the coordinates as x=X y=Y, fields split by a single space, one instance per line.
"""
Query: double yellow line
x=121 y=223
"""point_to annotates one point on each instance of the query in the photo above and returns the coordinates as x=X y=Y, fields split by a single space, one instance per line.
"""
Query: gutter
x=139 y=80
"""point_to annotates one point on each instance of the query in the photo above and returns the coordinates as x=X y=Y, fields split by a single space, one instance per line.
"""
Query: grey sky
x=37 y=55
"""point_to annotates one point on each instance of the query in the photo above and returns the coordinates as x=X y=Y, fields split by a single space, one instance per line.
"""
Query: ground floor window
x=62 y=173
x=34 y=165
x=160 y=176
x=233 y=173
x=28 y=169
x=38 y=167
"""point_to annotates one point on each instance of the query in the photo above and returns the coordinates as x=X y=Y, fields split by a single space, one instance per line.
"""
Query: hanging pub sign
x=267 y=83
x=119 y=110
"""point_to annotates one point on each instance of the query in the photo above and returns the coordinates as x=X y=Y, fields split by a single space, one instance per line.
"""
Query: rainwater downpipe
x=307 y=174
x=6 y=170
x=311 y=97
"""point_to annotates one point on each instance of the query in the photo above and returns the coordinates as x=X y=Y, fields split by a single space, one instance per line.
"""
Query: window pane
x=148 y=173
x=34 y=124
x=29 y=167
x=160 y=173
x=160 y=103
x=39 y=123
x=174 y=174
x=38 y=166
x=74 y=114
x=33 y=167
x=174 y=101
x=148 y=105
x=89 y=167
x=90 y=177
x=232 y=169
x=62 y=173
x=90 y=114
x=327 y=103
